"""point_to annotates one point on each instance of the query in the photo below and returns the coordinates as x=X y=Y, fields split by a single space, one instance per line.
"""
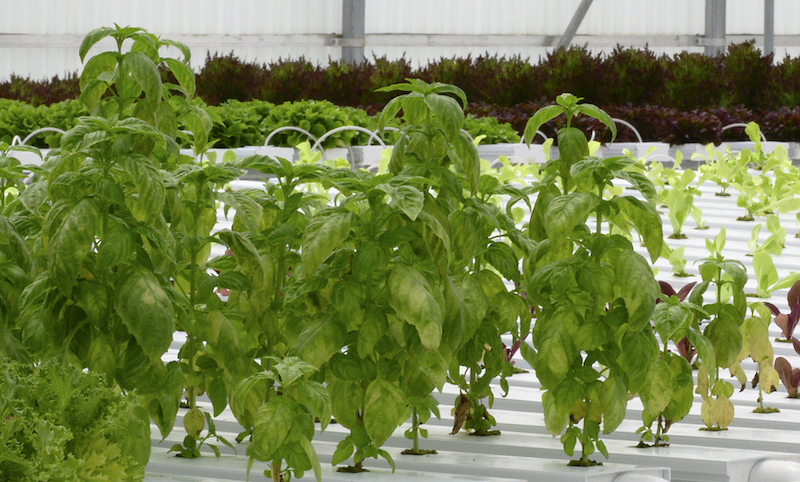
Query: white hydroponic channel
x=525 y=451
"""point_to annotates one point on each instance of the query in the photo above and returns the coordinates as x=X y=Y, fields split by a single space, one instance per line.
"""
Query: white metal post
x=353 y=21
x=715 y=27
x=769 y=26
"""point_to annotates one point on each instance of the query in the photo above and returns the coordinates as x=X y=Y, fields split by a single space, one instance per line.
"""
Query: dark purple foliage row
x=661 y=124
x=685 y=81
x=41 y=92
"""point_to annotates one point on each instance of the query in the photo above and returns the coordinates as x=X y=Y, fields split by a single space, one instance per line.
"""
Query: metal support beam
x=572 y=28
x=716 y=14
x=353 y=15
x=769 y=26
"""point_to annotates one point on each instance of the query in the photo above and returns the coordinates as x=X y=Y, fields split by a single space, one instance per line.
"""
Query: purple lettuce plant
x=790 y=377
x=788 y=321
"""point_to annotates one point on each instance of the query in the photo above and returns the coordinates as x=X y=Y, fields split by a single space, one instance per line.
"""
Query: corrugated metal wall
x=39 y=38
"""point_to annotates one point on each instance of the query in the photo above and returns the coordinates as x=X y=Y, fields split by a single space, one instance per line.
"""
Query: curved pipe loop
x=288 y=128
x=538 y=132
x=37 y=131
x=742 y=124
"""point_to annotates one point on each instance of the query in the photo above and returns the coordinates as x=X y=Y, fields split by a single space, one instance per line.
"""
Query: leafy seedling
x=766 y=274
x=697 y=215
x=193 y=421
x=680 y=201
x=676 y=260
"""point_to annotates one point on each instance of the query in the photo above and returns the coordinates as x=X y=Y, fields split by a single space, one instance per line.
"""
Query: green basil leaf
x=146 y=310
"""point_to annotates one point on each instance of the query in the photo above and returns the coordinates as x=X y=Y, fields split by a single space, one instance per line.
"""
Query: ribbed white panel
x=264 y=30
x=535 y=17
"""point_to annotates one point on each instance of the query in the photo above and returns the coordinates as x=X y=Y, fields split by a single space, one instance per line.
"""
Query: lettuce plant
x=775 y=241
x=790 y=377
x=722 y=169
x=787 y=321
x=775 y=188
x=676 y=260
x=767 y=193
x=680 y=201
x=767 y=279
x=697 y=216
x=59 y=423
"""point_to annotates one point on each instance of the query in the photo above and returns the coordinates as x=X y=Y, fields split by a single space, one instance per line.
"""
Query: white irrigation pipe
x=742 y=124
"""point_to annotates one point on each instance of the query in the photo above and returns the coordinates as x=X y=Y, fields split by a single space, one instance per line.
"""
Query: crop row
x=686 y=81
x=354 y=295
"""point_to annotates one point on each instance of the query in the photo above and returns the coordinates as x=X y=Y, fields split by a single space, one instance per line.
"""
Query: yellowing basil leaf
x=554 y=358
x=614 y=400
x=411 y=298
x=657 y=391
x=102 y=357
x=371 y=331
x=272 y=425
x=71 y=242
x=325 y=233
x=726 y=338
x=224 y=339
x=319 y=341
x=384 y=410
x=554 y=420
x=637 y=287
x=637 y=350
x=146 y=310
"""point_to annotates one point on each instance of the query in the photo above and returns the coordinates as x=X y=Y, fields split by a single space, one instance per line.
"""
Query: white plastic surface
x=634 y=477
x=775 y=470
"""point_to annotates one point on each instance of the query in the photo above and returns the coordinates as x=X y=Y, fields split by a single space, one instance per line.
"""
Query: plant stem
x=415 y=428
x=598 y=215
x=657 y=442
x=473 y=379
x=584 y=456
x=190 y=339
